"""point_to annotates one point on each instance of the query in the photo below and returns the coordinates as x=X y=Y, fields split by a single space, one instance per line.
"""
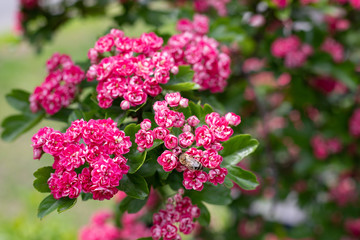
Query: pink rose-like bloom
x=355 y=4
x=184 y=25
x=194 y=179
x=170 y=141
x=186 y=128
x=144 y=139
x=160 y=133
x=204 y=137
x=217 y=175
x=253 y=65
x=186 y=139
x=125 y=105
x=193 y=121
x=280 y=3
x=184 y=102
x=211 y=159
x=281 y=46
x=145 y=124
x=173 y=99
x=233 y=119
x=352 y=226
x=168 y=160
x=64 y=184
x=344 y=192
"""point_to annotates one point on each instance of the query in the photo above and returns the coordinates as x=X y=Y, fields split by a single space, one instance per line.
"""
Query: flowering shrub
x=159 y=115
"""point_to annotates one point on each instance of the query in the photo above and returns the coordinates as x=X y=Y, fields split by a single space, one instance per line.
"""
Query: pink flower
x=193 y=121
x=145 y=124
x=144 y=139
x=217 y=175
x=64 y=184
x=319 y=147
x=168 y=160
x=280 y=3
x=173 y=99
x=160 y=133
x=354 y=123
x=170 y=141
x=125 y=105
x=54 y=143
x=211 y=159
x=194 y=179
x=186 y=139
x=104 y=44
x=281 y=46
x=203 y=136
x=184 y=102
x=233 y=119
x=184 y=25
x=334 y=48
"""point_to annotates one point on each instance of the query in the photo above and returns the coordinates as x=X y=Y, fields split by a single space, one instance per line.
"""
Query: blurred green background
x=22 y=68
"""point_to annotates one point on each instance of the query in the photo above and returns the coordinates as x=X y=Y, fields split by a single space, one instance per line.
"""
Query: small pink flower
x=160 y=133
x=203 y=136
x=193 y=121
x=186 y=128
x=184 y=25
x=217 y=175
x=211 y=159
x=144 y=139
x=125 y=105
x=173 y=99
x=233 y=119
x=168 y=160
x=145 y=124
x=184 y=102
x=186 y=139
x=170 y=141
x=194 y=179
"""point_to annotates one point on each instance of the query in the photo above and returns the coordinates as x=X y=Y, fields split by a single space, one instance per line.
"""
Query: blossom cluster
x=96 y=147
x=60 y=86
x=134 y=70
x=218 y=5
x=354 y=3
x=328 y=85
x=344 y=191
x=192 y=47
x=179 y=211
x=354 y=123
x=28 y=4
x=324 y=147
x=294 y=52
x=195 y=147
x=334 y=48
x=101 y=228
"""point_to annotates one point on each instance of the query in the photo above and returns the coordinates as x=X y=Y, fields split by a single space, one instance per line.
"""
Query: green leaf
x=50 y=204
x=132 y=205
x=184 y=75
x=76 y=115
x=187 y=86
x=245 y=179
x=16 y=125
x=204 y=218
x=19 y=100
x=145 y=238
x=236 y=148
x=228 y=183
x=42 y=175
x=86 y=196
x=134 y=186
x=135 y=158
x=218 y=195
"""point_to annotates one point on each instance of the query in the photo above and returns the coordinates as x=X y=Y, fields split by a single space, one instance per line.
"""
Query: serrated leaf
x=50 y=204
x=132 y=205
x=185 y=74
x=16 y=125
x=42 y=175
x=245 y=179
x=236 y=148
x=19 y=100
x=134 y=186
x=218 y=195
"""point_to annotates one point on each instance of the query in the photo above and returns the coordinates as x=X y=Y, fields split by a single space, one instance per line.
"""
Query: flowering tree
x=154 y=121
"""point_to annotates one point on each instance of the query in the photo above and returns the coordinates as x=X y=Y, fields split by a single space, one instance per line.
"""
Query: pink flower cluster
x=354 y=123
x=29 y=4
x=280 y=3
x=86 y=145
x=208 y=137
x=60 y=86
x=192 y=47
x=334 y=48
x=344 y=191
x=352 y=226
x=328 y=85
x=179 y=210
x=322 y=147
x=134 y=70
x=100 y=227
x=292 y=50
x=218 y=5
x=354 y=3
